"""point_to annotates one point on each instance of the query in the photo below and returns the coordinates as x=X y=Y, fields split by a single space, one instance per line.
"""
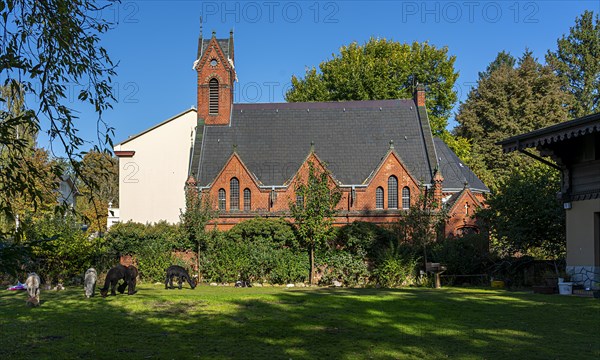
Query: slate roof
x=223 y=43
x=454 y=172
x=351 y=137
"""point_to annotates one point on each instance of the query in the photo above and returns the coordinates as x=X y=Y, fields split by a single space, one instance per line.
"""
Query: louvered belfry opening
x=213 y=97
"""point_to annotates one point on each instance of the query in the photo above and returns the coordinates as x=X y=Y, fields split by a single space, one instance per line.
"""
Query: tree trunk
x=312 y=264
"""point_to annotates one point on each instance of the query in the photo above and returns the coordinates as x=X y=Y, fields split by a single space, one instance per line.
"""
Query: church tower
x=216 y=75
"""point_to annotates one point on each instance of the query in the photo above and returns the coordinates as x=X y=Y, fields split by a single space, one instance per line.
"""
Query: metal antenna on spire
x=200 y=25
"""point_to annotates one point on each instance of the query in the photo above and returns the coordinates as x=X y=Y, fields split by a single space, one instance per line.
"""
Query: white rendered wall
x=151 y=182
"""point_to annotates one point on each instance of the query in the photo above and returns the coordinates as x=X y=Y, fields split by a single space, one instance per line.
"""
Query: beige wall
x=151 y=183
x=582 y=246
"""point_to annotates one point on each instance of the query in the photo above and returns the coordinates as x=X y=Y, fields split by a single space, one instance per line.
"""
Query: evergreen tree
x=509 y=100
x=577 y=62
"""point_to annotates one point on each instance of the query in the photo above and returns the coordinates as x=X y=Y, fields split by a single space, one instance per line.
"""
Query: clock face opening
x=213 y=62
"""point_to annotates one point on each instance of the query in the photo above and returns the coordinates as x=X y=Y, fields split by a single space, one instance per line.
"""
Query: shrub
x=153 y=259
x=151 y=245
x=342 y=266
x=221 y=261
x=124 y=239
x=395 y=272
x=362 y=238
x=250 y=259
x=277 y=232
x=466 y=255
x=67 y=253
x=396 y=265
x=288 y=267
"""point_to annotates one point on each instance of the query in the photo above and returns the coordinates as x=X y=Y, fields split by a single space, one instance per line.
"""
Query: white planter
x=565 y=288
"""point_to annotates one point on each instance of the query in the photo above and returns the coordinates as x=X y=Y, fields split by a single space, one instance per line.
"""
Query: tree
x=93 y=202
x=423 y=224
x=382 y=69
x=525 y=217
x=502 y=59
x=49 y=48
x=508 y=100
x=314 y=209
x=576 y=61
x=198 y=213
x=17 y=149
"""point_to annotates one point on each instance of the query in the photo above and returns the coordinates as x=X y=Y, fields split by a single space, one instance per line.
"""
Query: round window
x=213 y=62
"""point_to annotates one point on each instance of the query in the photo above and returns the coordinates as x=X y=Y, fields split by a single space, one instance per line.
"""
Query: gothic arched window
x=392 y=192
x=405 y=198
x=247 y=200
x=222 y=199
x=234 y=194
x=379 y=198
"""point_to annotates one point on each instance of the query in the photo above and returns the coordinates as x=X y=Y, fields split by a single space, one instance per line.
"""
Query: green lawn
x=309 y=323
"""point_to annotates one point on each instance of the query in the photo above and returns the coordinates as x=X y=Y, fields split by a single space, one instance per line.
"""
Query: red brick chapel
x=381 y=153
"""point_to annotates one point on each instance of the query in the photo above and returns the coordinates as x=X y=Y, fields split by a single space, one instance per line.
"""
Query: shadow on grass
x=277 y=323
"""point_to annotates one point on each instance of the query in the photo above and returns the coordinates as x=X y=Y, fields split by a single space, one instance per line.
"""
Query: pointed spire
x=200 y=41
x=231 y=56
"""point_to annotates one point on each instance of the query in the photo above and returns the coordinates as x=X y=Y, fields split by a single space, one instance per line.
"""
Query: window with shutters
x=213 y=101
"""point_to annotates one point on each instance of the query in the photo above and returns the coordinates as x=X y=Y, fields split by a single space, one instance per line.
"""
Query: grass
x=308 y=323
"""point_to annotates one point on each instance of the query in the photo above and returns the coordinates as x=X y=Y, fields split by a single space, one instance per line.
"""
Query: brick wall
x=225 y=75
x=361 y=209
x=461 y=215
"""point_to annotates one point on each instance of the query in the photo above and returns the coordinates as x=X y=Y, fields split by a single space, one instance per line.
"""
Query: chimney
x=420 y=95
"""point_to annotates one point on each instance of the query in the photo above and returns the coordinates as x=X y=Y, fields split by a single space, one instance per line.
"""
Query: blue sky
x=155 y=43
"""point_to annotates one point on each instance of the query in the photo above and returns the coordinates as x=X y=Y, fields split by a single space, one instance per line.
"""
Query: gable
x=175 y=118
x=224 y=45
x=391 y=164
x=457 y=202
x=302 y=174
x=235 y=168
x=212 y=50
